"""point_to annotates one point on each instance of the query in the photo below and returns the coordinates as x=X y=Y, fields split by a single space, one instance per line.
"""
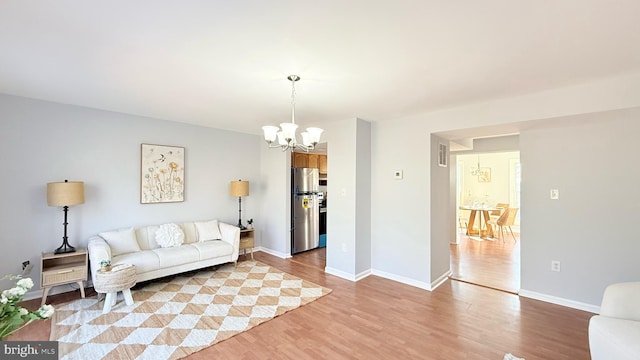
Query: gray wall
x=493 y=144
x=363 y=197
x=401 y=212
x=591 y=228
x=341 y=200
x=273 y=228
x=442 y=215
x=43 y=142
x=46 y=142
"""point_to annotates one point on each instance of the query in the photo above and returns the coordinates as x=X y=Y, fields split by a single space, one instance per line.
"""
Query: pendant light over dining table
x=286 y=133
x=477 y=171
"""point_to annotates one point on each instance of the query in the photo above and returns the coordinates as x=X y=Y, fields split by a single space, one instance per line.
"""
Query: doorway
x=315 y=254
x=490 y=260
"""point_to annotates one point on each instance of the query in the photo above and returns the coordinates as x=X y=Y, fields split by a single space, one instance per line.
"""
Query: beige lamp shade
x=239 y=188
x=65 y=193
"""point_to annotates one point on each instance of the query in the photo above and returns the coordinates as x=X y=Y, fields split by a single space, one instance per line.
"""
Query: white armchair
x=615 y=333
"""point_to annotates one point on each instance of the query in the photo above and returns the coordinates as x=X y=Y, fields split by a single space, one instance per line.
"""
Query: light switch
x=554 y=194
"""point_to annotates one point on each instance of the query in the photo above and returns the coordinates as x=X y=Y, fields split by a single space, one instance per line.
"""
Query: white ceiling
x=224 y=63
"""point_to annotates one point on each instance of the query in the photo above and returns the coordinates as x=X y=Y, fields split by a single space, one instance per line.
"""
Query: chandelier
x=286 y=133
x=477 y=171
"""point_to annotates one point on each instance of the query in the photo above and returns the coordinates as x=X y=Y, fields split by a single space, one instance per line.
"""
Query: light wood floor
x=376 y=318
x=495 y=264
x=316 y=258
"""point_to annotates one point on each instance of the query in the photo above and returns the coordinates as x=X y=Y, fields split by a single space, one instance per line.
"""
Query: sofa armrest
x=98 y=250
x=231 y=235
x=622 y=301
x=611 y=338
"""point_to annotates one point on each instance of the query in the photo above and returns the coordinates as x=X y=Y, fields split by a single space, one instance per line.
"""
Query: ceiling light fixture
x=477 y=171
x=286 y=133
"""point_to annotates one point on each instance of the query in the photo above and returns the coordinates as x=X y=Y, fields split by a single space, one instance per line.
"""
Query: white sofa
x=204 y=244
x=615 y=333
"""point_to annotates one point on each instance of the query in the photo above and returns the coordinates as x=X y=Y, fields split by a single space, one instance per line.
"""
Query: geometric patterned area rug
x=512 y=357
x=177 y=316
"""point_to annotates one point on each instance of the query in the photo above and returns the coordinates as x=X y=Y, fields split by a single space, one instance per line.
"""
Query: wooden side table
x=60 y=269
x=247 y=241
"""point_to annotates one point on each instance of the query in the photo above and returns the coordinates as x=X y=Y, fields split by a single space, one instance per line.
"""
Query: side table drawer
x=64 y=275
x=246 y=243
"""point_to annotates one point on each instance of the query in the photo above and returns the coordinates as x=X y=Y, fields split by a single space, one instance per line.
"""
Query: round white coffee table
x=120 y=278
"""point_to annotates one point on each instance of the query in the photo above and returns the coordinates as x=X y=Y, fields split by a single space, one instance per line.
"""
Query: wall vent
x=443 y=155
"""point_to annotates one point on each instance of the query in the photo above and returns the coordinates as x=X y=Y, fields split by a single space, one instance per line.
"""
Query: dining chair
x=507 y=219
x=495 y=214
x=463 y=221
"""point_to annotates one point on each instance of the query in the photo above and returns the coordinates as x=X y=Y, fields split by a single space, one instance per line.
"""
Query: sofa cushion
x=121 y=241
x=612 y=338
x=147 y=237
x=169 y=235
x=213 y=249
x=144 y=261
x=190 y=232
x=208 y=230
x=175 y=256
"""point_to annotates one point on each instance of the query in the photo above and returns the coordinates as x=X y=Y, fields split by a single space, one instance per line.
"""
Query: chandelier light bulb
x=289 y=131
x=270 y=133
x=306 y=138
x=314 y=134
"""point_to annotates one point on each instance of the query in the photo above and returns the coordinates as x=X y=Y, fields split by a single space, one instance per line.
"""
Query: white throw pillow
x=121 y=241
x=208 y=230
x=169 y=235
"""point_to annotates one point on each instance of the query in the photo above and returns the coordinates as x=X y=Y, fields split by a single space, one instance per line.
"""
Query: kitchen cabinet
x=304 y=160
x=299 y=160
x=312 y=161
x=322 y=164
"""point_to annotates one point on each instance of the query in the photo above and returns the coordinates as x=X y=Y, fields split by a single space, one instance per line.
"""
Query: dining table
x=485 y=212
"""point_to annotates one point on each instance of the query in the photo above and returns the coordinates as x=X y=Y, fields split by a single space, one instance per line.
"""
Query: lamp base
x=242 y=227
x=65 y=248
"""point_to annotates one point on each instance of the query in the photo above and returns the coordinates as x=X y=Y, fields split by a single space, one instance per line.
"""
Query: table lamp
x=65 y=194
x=239 y=188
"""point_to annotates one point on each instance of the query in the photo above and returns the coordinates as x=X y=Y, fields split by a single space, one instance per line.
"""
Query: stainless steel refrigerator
x=305 y=210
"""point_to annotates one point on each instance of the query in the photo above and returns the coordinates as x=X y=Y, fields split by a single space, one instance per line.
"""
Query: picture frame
x=162 y=170
x=484 y=174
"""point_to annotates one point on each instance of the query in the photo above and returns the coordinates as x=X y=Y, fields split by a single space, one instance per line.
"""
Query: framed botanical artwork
x=484 y=174
x=161 y=174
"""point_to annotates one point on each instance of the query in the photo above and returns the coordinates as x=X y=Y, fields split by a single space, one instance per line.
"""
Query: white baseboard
x=363 y=274
x=339 y=273
x=441 y=280
x=273 y=252
x=386 y=275
x=33 y=294
x=402 y=279
x=559 y=301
